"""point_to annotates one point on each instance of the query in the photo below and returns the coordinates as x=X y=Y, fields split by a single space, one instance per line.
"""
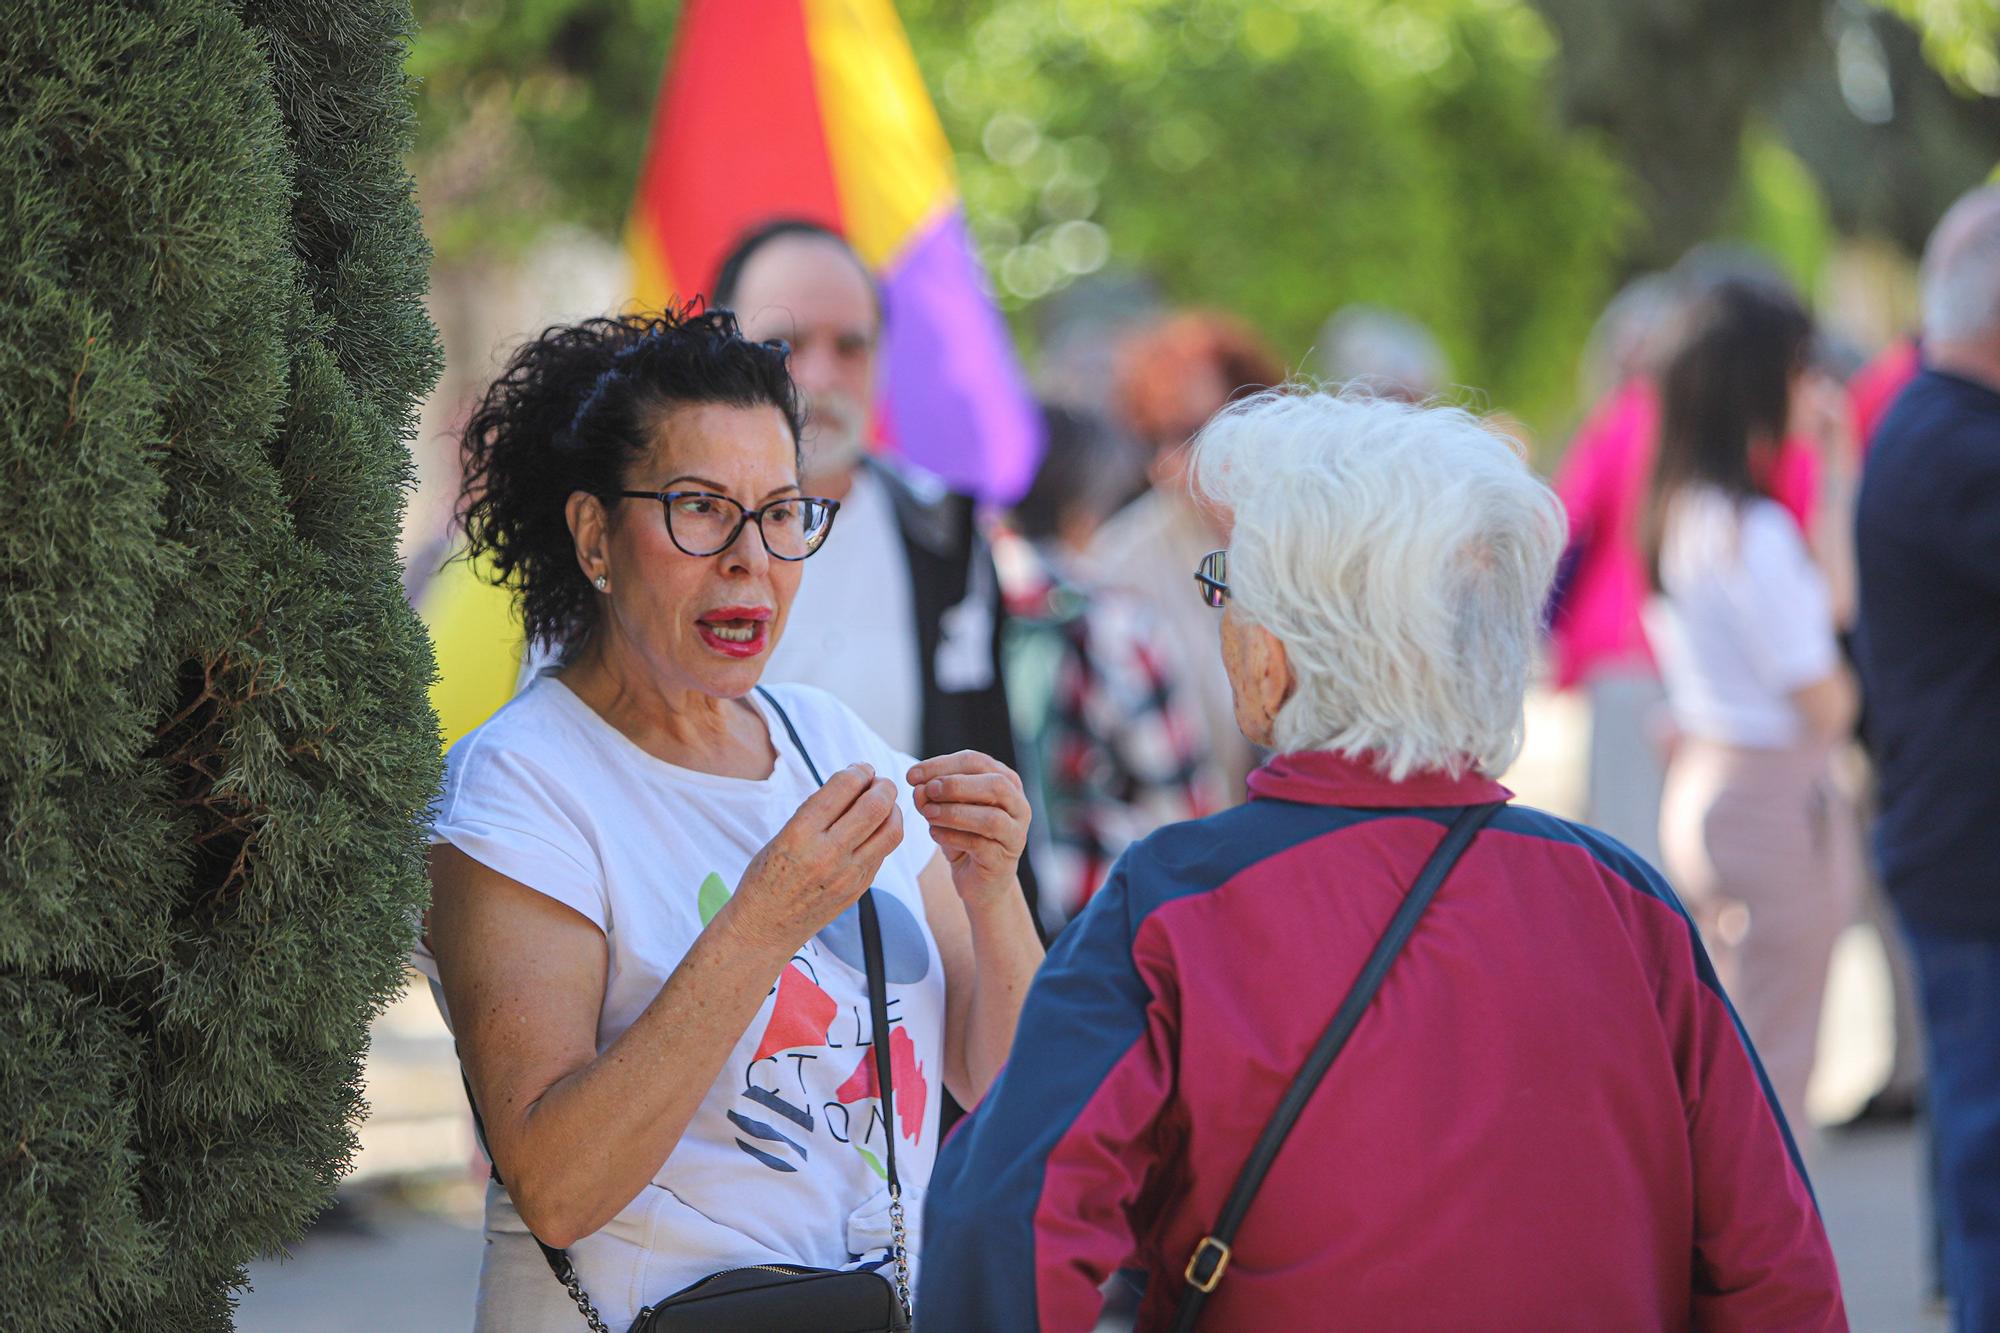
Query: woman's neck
x=679 y=724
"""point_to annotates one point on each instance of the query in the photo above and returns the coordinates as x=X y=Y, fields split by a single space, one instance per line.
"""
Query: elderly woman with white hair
x=1378 y=1049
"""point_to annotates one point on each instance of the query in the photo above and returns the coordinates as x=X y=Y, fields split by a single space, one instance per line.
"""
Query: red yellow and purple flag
x=815 y=109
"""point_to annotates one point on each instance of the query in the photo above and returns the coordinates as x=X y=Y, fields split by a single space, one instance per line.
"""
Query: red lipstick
x=736 y=631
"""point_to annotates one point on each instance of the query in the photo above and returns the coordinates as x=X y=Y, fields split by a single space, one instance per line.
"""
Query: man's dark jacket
x=961 y=623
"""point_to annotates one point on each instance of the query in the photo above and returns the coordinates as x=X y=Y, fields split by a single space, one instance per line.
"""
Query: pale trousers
x=1627 y=706
x=1765 y=850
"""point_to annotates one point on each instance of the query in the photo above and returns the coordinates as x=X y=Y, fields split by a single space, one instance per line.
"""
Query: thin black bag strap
x=785 y=720
x=878 y=1017
x=1211 y=1256
x=871 y=956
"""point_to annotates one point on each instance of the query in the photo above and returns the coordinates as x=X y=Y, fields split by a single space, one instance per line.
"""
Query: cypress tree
x=215 y=748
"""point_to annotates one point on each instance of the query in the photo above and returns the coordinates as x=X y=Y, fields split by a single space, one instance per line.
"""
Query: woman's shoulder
x=1769 y=530
x=1194 y=856
x=535 y=730
x=1713 y=535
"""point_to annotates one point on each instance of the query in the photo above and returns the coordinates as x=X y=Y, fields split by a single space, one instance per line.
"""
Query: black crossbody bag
x=786 y=1298
x=1211 y=1257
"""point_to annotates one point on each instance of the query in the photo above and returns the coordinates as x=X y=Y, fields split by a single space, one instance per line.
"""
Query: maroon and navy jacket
x=1549 y=1118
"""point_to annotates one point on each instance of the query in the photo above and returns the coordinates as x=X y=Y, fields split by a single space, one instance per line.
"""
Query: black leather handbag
x=788 y=1298
x=1211 y=1257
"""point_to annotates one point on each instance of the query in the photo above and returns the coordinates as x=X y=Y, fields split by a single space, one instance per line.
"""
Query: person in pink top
x=1597 y=641
x=1875 y=388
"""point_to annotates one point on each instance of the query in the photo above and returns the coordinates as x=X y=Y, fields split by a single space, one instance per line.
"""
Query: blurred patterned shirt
x=1110 y=746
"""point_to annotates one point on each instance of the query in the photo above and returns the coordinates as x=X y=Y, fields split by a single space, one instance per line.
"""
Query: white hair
x=1402 y=555
x=1961 y=270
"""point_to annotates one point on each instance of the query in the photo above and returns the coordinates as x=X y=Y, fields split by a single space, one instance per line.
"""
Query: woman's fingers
x=965 y=761
x=994 y=789
x=954 y=840
x=967 y=851
x=997 y=826
x=865 y=816
x=870 y=855
x=827 y=806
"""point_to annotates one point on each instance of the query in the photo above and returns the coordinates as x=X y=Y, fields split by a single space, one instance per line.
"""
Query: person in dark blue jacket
x=1928 y=645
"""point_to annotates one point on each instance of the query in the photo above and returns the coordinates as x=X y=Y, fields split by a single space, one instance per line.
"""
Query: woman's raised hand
x=820 y=862
x=978 y=813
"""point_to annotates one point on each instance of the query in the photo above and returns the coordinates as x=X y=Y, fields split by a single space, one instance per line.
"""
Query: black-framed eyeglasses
x=1211 y=578
x=703 y=523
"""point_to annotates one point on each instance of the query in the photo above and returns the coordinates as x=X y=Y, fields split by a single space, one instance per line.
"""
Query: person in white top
x=644 y=927
x=1757 y=836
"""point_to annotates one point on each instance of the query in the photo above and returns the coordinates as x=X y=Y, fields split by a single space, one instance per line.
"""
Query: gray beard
x=830 y=452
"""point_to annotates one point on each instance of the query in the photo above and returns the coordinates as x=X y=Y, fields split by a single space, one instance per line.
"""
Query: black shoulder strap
x=871 y=956
x=878 y=1013
x=1211 y=1257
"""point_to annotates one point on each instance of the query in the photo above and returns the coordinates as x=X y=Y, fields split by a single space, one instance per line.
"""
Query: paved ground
x=389 y=1264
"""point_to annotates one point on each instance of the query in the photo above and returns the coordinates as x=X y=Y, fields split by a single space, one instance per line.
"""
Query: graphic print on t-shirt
x=801 y=1017
x=711 y=896
x=906 y=959
x=813 y=1070
x=908 y=1073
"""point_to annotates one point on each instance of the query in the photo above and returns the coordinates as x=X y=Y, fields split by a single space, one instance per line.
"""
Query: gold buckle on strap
x=1210 y=1248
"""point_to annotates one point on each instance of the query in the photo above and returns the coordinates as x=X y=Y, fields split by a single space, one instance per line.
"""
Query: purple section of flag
x=955 y=400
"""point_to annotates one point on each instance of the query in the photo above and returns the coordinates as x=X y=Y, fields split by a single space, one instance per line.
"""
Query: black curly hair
x=573 y=410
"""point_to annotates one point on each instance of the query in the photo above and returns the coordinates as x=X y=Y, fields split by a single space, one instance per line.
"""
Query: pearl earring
x=601 y=583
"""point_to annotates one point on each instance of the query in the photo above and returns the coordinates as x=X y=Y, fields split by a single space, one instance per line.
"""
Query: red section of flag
x=801 y=1016
x=737 y=137
x=911 y=1092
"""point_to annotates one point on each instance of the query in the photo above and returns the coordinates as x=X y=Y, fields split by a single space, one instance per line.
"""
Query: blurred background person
x=1595 y=628
x=1111 y=742
x=1383 y=351
x=1876 y=386
x=1928 y=641
x=900 y=616
x=1757 y=836
x=1172 y=377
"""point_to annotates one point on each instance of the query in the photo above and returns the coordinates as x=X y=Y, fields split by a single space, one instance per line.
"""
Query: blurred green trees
x=214 y=739
x=1958 y=38
x=1286 y=160
x=1491 y=166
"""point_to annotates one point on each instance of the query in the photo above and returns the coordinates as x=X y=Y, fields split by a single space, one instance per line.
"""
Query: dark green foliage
x=214 y=741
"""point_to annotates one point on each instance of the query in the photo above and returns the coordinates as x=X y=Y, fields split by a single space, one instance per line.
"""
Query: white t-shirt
x=782 y=1163
x=1744 y=618
x=852 y=629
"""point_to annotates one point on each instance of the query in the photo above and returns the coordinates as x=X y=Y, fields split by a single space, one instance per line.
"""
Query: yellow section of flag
x=891 y=162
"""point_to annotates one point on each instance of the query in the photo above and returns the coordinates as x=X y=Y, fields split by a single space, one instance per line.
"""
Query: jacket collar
x=927 y=514
x=1324 y=777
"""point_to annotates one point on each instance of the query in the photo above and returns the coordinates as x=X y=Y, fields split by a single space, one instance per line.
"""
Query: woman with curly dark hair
x=650 y=923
